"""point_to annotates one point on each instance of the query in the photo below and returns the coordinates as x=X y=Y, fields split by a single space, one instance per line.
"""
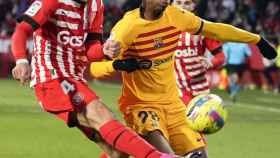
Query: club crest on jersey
x=34 y=8
x=158 y=43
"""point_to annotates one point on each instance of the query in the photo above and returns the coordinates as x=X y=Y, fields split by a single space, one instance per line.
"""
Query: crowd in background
x=260 y=16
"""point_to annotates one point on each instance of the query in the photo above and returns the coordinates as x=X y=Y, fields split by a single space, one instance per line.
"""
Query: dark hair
x=142 y=9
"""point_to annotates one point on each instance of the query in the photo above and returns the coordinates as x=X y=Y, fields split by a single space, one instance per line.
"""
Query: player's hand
x=267 y=50
x=111 y=48
x=22 y=72
x=205 y=62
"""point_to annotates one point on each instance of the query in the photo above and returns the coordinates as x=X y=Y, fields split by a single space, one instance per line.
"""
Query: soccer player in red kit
x=65 y=34
x=191 y=63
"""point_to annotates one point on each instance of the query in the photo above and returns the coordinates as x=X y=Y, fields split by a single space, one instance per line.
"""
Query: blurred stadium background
x=254 y=123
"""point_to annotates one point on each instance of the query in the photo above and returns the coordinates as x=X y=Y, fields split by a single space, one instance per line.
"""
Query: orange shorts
x=170 y=120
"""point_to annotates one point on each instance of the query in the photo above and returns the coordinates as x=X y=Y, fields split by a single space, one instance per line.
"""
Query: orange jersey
x=155 y=41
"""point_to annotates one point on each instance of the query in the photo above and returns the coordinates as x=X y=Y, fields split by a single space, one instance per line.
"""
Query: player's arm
x=221 y=32
x=35 y=16
x=225 y=32
x=22 y=70
x=102 y=69
x=19 y=38
x=94 y=47
x=218 y=59
x=216 y=49
x=94 y=38
x=121 y=37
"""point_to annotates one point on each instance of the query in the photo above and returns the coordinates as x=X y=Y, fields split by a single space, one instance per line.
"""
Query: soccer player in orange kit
x=148 y=37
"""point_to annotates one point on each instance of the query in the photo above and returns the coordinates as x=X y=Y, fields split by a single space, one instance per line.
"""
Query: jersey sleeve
x=19 y=40
x=225 y=32
x=213 y=45
x=97 y=21
x=188 y=22
x=39 y=12
x=216 y=49
x=102 y=69
x=94 y=51
x=95 y=32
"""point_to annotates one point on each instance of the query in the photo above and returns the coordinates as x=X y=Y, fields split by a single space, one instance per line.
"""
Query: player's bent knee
x=97 y=114
x=97 y=110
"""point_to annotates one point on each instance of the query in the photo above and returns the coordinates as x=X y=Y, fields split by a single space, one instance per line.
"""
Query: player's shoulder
x=38 y=5
x=133 y=14
x=128 y=20
x=45 y=3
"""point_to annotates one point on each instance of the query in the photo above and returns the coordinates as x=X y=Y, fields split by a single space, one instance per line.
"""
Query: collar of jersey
x=141 y=15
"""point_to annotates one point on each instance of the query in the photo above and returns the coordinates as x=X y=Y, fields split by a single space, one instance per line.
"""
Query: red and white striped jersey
x=62 y=27
x=190 y=74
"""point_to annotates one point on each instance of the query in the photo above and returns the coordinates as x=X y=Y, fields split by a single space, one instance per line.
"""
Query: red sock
x=103 y=155
x=127 y=141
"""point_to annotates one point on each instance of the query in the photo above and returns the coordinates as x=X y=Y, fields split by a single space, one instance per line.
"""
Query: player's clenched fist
x=111 y=48
x=22 y=72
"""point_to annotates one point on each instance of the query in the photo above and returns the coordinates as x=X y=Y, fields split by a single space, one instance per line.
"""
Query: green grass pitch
x=252 y=131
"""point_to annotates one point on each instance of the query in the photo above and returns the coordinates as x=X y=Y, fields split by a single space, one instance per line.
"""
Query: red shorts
x=64 y=95
x=186 y=97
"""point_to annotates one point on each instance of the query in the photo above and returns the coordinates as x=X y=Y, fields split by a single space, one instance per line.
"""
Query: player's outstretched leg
x=109 y=151
x=96 y=115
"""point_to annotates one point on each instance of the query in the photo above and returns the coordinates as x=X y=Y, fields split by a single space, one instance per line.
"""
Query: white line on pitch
x=268 y=100
x=257 y=107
